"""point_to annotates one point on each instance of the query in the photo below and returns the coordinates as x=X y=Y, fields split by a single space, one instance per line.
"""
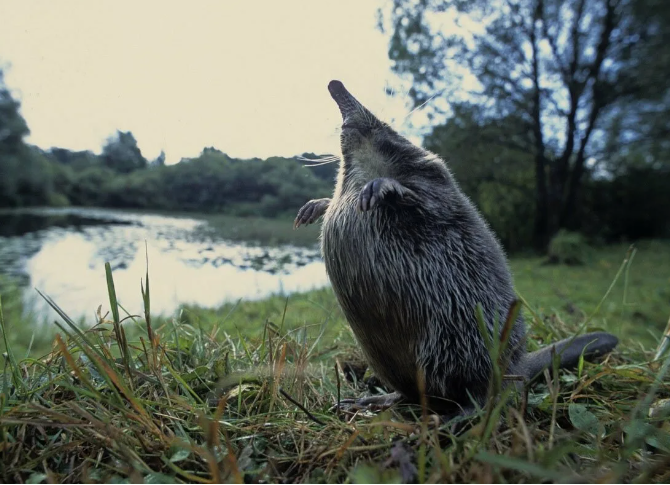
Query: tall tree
x=558 y=66
x=484 y=156
x=159 y=161
x=13 y=129
x=122 y=154
x=12 y=125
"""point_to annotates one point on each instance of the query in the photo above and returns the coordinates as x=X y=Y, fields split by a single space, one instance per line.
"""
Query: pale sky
x=246 y=77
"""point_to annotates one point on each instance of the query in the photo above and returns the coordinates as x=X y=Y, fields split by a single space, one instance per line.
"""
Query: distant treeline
x=121 y=178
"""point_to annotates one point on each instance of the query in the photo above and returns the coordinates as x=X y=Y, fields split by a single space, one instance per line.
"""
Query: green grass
x=243 y=393
x=247 y=229
x=637 y=306
x=260 y=230
x=316 y=313
x=28 y=333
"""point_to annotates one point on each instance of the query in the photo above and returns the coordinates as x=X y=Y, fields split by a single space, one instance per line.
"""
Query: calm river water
x=62 y=252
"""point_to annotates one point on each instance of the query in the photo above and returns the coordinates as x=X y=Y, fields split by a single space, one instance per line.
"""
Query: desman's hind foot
x=459 y=420
x=310 y=212
x=372 y=403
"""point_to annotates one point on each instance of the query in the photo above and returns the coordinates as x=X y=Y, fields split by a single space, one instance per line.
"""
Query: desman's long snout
x=349 y=106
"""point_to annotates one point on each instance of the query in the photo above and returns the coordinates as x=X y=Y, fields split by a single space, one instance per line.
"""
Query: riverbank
x=258 y=230
x=266 y=231
x=621 y=291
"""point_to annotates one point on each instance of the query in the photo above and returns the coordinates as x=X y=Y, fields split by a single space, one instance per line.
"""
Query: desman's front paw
x=310 y=212
x=376 y=192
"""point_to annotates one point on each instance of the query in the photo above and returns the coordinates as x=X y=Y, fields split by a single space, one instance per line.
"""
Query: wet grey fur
x=409 y=258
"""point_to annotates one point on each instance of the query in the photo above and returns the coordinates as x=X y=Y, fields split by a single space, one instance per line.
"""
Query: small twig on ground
x=337 y=378
x=309 y=415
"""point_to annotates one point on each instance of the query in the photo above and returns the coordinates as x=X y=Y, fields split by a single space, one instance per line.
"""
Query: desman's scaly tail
x=568 y=350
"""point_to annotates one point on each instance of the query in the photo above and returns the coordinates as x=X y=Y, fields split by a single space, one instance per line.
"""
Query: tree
x=122 y=154
x=560 y=67
x=484 y=156
x=13 y=127
x=159 y=161
x=77 y=160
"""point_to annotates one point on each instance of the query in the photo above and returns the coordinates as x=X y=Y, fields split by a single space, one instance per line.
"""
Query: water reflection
x=66 y=261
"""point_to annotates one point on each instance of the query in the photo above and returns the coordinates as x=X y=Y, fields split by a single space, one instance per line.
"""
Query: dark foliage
x=626 y=201
x=585 y=83
x=211 y=182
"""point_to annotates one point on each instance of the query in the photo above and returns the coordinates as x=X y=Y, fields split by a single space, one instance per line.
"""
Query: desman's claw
x=310 y=212
x=374 y=193
x=298 y=219
x=303 y=216
x=367 y=200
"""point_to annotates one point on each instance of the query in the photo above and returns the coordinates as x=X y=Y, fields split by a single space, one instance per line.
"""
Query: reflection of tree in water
x=24 y=232
x=119 y=246
x=118 y=237
x=14 y=252
x=281 y=260
x=20 y=223
x=218 y=262
x=118 y=256
x=112 y=246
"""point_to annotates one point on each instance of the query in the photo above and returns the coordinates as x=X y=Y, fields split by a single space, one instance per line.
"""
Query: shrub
x=56 y=199
x=568 y=248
